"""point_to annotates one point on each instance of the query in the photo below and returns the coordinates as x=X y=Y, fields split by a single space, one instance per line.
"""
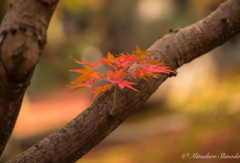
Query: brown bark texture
x=91 y=126
x=22 y=38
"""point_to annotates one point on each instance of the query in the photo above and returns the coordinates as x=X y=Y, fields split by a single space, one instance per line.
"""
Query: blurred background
x=195 y=112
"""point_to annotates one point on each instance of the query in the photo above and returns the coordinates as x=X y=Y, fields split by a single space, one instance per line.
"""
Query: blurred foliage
x=203 y=135
x=108 y=25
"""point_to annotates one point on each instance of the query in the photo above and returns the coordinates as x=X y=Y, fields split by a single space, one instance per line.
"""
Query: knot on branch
x=19 y=53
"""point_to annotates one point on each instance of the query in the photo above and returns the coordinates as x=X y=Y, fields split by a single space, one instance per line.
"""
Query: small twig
x=114 y=97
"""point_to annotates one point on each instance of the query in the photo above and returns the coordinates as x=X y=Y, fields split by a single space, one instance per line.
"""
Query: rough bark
x=176 y=48
x=22 y=38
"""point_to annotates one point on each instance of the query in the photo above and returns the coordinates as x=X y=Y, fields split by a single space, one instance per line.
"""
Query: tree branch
x=177 y=48
x=22 y=38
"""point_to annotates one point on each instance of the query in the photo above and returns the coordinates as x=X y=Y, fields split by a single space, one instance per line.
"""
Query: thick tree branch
x=22 y=38
x=95 y=123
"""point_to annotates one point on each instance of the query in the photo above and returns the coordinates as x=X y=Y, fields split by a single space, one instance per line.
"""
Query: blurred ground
x=195 y=112
x=44 y=115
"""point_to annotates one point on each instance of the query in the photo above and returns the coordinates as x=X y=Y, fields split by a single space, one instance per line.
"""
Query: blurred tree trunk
x=90 y=127
x=3 y=5
x=22 y=38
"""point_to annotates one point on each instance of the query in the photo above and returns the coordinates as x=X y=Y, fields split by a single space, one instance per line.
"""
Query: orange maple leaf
x=115 y=74
x=87 y=73
x=85 y=62
x=109 y=60
x=76 y=88
x=143 y=53
x=99 y=90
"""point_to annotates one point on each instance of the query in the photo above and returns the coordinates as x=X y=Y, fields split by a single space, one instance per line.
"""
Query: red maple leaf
x=122 y=83
x=122 y=63
x=129 y=57
x=155 y=68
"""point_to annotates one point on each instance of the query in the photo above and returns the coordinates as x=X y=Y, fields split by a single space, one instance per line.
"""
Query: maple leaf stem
x=114 y=97
x=104 y=69
x=98 y=70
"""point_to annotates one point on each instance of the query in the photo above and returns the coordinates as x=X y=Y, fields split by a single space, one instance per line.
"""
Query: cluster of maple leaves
x=122 y=68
